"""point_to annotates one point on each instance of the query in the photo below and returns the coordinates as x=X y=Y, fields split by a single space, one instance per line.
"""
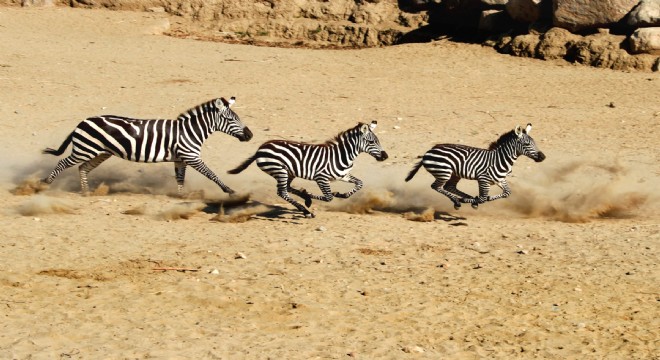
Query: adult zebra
x=449 y=163
x=333 y=160
x=158 y=140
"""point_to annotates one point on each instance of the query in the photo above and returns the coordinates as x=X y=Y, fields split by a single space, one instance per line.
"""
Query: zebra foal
x=96 y=139
x=449 y=163
x=333 y=160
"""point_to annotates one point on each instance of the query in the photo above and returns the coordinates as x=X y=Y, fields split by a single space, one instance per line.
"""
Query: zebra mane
x=192 y=110
x=337 y=138
x=504 y=138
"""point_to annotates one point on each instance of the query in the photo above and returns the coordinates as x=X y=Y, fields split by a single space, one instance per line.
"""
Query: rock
x=37 y=3
x=577 y=15
x=494 y=3
x=645 y=40
x=321 y=228
x=524 y=11
x=605 y=51
x=494 y=21
x=554 y=43
x=647 y=13
x=524 y=45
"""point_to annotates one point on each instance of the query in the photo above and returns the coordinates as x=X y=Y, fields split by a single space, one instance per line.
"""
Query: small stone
x=396 y=127
x=522 y=252
x=240 y=255
x=321 y=228
x=215 y=272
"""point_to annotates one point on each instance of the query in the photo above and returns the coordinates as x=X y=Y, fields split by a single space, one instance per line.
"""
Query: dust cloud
x=578 y=191
x=574 y=192
x=582 y=191
x=42 y=205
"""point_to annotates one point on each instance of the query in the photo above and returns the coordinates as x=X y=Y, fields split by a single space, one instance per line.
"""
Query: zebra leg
x=451 y=187
x=300 y=192
x=282 y=191
x=438 y=185
x=351 y=179
x=484 y=188
x=199 y=165
x=87 y=167
x=180 y=173
x=506 y=191
x=62 y=165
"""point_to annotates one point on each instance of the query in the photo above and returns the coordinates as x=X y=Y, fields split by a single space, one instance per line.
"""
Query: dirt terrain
x=567 y=267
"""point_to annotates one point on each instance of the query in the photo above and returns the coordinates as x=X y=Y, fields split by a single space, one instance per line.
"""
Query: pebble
x=215 y=272
x=321 y=228
x=240 y=255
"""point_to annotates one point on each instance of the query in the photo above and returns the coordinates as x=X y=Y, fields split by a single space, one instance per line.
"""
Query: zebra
x=449 y=163
x=333 y=160
x=96 y=139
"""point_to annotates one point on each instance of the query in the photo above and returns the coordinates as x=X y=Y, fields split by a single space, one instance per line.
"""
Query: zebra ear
x=373 y=124
x=528 y=128
x=226 y=103
x=519 y=131
x=364 y=128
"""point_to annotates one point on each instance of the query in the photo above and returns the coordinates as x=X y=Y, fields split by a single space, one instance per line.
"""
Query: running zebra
x=449 y=163
x=333 y=160
x=180 y=141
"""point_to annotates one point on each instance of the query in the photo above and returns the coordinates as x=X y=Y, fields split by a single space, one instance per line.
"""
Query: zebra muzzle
x=247 y=134
x=540 y=157
x=383 y=156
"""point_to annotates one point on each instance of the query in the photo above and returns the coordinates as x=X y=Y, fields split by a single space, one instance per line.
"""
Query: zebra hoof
x=475 y=206
x=457 y=206
x=310 y=215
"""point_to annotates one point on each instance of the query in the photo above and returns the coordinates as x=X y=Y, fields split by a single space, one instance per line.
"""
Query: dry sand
x=567 y=267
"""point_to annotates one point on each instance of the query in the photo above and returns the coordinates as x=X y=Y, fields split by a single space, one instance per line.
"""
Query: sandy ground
x=567 y=267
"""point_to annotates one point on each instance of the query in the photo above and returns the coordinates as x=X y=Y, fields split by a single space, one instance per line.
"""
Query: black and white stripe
x=158 y=140
x=286 y=160
x=449 y=163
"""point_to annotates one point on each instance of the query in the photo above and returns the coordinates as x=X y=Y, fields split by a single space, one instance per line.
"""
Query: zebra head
x=369 y=142
x=228 y=121
x=525 y=145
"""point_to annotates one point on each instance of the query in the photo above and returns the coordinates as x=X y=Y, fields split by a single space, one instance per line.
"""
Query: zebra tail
x=244 y=165
x=63 y=147
x=414 y=171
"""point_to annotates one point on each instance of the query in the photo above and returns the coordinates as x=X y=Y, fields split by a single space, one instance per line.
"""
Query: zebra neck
x=346 y=150
x=201 y=125
x=506 y=155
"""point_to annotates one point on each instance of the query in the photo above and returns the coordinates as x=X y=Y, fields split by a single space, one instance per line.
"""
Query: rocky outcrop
x=573 y=30
x=526 y=11
x=578 y=15
x=646 y=40
x=647 y=13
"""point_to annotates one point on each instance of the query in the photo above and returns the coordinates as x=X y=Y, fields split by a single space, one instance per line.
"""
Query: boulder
x=494 y=3
x=494 y=21
x=37 y=3
x=524 y=11
x=555 y=43
x=605 y=50
x=524 y=45
x=646 y=14
x=577 y=15
x=645 y=40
